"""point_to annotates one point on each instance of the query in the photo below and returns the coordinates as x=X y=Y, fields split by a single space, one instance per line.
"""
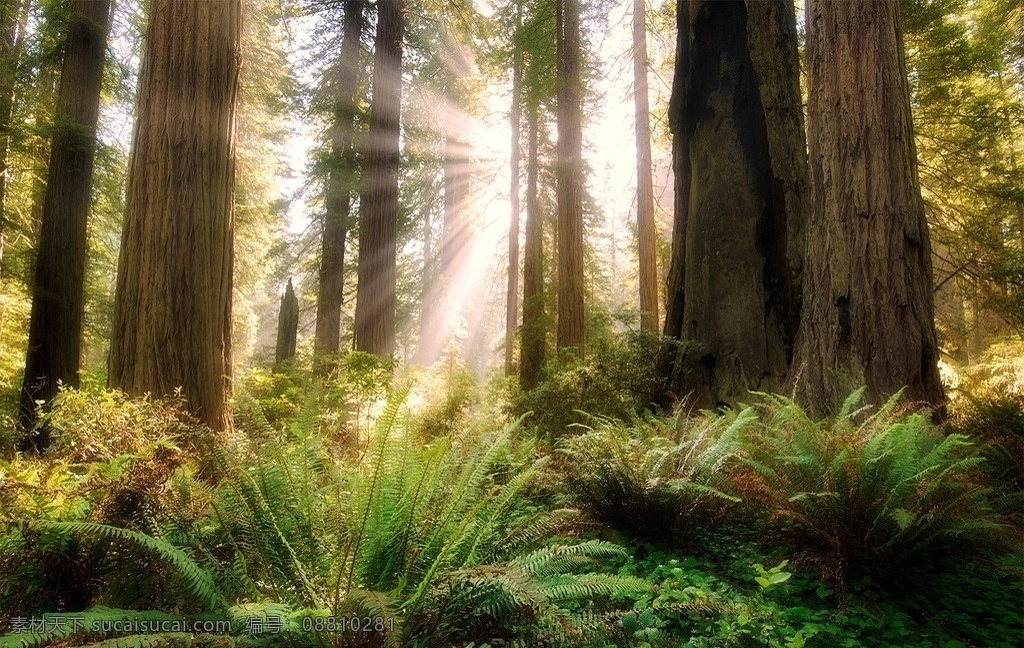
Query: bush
x=654 y=481
x=861 y=490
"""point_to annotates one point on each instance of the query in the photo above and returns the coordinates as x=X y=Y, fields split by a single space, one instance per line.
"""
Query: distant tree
x=287 y=325
x=55 y=328
x=533 y=333
x=12 y=33
x=740 y=174
x=571 y=283
x=868 y=287
x=646 y=234
x=512 y=298
x=340 y=183
x=375 y=298
x=172 y=307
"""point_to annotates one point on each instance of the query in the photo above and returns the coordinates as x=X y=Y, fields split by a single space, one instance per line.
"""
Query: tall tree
x=569 y=195
x=534 y=327
x=55 y=328
x=868 y=289
x=646 y=235
x=12 y=13
x=172 y=309
x=339 y=190
x=287 y=325
x=740 y=178
x=375 y=297
x=512 y=298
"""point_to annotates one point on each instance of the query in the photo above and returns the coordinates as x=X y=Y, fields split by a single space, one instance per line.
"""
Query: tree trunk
x=569 y=195
x=375 y=299
x=534 y=327
x=868 y=311
x=287 y=325
x=11 y=37
x=58 y=301
x=646 y=234
x=512 y=300
x=741 y=172
x=172 y=308
x=338 y=198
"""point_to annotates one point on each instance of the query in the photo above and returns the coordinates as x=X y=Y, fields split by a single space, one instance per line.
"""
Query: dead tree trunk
x=287 y=325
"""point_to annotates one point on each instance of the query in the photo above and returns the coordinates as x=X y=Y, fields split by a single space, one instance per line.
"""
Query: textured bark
x=646 y=235
x=58 y=301
x=172 y=308
x=12 y=32
x=375 y=298
x=512 y=299
x=868 y=311
x=287 y=325
x=534 y=328
x=569 y=174
x=340 y=186
x=741 y=178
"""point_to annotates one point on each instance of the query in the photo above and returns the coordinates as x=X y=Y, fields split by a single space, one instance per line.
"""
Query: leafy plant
x=864 y=490
x=651 y=480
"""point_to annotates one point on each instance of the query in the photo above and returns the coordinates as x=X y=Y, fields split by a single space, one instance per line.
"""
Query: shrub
x=861 y=490
x=653 y=481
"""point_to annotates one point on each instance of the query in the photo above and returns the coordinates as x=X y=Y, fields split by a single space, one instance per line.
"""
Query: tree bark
x=58 y=301
x=375 y=299
x=340 y=186
x=512 y=299
x=172 y=307
x=287 y=325
x=646 y=234
x=569 y=194
x=741 y=176
x=534 y=327
x=868 y=309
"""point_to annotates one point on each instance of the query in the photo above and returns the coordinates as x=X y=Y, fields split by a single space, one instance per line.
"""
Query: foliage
x=616 y=380
x=652 y=480
x=864 y=490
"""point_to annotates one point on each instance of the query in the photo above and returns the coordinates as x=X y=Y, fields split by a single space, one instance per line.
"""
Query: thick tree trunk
x=868 y=311
x=172 y=308
x=534 y=328
x=375 y=299
x=340 y=186
x=58 y=300
x=740 y=208
x=512 y=299
x=646 y=235
x=287 y=325
x=569 y=194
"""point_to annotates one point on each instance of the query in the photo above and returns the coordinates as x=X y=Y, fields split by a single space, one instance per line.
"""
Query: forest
x=481 y=324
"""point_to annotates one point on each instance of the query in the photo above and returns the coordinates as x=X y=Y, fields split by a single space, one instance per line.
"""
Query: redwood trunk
x=287 y=325
x=534 y=329
x=868 y=306
x=12 y=29
x=172 y=308
x=340 y=186
x=569 y=194
x=646 y=235
x=512 y=300
x=375 y=299
x=740 y=185
x=58 y=301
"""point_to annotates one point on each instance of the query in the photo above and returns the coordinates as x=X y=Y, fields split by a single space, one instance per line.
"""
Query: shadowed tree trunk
x=340 y=186
x=646 y=235
x=172 y=308
x=868 y=312
x=512 y=300
x=58 y=300
x=734 y=292
x=375 y=299
x=287 y=325
x=534 y=328
x=569 y=194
